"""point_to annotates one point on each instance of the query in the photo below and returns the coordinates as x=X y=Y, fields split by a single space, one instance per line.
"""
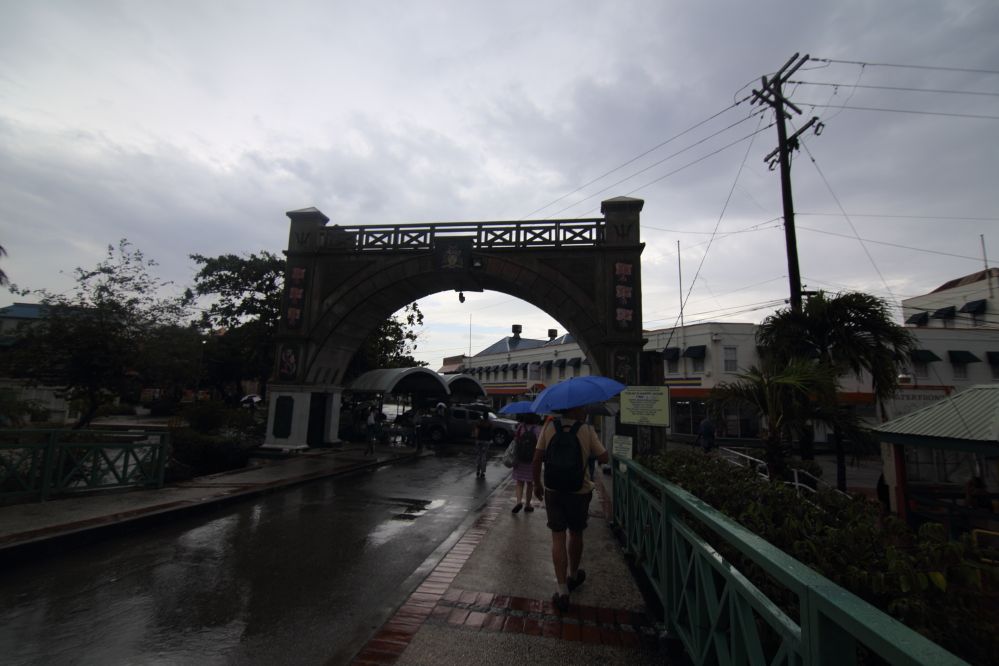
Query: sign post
x=645 y=405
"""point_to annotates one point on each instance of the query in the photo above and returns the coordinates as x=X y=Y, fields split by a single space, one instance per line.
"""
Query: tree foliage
x=245 y=302
x=3 y=275
x=847 y=333
x=941 y=588
x=246 y=293
x=91 y=341
x=392 y=345
x=779 y=389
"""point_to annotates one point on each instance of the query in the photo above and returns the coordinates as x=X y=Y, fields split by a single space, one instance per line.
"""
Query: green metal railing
x=719 y=615
x=39 y=464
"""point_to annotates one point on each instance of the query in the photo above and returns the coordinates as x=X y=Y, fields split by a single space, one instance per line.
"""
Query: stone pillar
x=623 y=289
x=331 y=429
x=288 y=417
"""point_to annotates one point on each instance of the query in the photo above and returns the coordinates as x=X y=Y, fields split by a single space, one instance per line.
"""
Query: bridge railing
x=39 y=464
x=719 y=615
x=485 y=235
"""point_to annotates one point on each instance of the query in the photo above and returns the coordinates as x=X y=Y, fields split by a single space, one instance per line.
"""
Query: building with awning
x=942 y=461
x=514 y=388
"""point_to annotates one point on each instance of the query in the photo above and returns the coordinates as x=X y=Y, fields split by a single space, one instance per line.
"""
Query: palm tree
x=3 y=276
x=848 y=332
x=777 y=389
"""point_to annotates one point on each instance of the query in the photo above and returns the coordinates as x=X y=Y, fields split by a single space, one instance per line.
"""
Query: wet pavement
x=483 y=594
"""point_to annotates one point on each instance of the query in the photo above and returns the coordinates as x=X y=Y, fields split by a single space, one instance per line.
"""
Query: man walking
x=565 y=445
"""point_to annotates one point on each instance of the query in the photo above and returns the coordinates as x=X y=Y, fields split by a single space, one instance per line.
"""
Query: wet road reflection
x=299 y=577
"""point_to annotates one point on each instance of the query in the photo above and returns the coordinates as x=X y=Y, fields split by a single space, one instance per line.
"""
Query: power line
x=898 y=245
x=974 y=116
x=847 y=218
x=910 y=217
x=721 y=215
x=639 y=156
x=897 y=88
x=883 y=64
x=673 y=172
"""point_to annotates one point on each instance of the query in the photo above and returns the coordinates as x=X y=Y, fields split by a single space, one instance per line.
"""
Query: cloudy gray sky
x=192 y=126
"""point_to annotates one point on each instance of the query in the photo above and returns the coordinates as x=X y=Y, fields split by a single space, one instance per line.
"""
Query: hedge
x=941 y=588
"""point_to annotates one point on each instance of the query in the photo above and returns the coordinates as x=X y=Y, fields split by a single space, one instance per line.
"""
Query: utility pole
x=771 y=94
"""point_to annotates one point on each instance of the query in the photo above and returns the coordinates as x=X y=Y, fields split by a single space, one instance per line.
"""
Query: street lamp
x=197 y=379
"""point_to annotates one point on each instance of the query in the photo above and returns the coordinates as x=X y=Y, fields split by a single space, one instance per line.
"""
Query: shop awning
x=974 y=307
x=919 y=319
x=993 y=357
x=575 y=362
x=695 y=351
x=523 y=366
x=560 y=363
x=546 y=364
x=923 y=356
x=671 y=353
x=514 y=388
x=504 y=366
x=945 y=313
x=959 y=357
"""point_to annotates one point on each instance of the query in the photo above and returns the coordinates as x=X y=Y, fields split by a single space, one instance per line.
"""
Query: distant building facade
x=956 y=327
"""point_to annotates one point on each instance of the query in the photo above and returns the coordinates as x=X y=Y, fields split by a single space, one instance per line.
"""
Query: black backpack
x=527 y=441
x=564 y=459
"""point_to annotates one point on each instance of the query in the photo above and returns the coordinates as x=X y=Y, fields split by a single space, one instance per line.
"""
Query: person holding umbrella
x=565 y=445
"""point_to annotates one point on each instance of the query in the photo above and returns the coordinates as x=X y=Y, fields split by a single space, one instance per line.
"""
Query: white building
x=956 y=326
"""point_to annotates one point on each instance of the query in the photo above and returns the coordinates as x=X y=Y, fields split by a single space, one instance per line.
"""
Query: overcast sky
x=193 y=126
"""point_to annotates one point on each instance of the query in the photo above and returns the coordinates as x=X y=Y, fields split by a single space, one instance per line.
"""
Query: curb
x=53 y=540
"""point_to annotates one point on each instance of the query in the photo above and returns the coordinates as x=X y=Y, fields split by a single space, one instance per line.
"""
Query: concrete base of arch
x=302 y=415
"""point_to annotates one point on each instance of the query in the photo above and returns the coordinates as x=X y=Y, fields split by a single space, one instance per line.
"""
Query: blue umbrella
x=521 y=407
x=576 y=392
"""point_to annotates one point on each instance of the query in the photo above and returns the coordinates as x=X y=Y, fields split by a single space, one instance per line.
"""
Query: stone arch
x=342 y=282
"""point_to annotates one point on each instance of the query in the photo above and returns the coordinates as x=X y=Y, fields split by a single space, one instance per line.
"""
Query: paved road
x=300 y=576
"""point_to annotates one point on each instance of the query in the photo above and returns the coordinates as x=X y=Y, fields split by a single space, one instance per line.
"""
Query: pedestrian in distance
x=563 y=450
x=483 y=434
x=525 y=442
x=373 y=427
x=706 y=435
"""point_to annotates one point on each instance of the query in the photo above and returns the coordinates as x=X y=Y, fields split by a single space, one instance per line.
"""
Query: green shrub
x=940 y=588
x=809 y=466
x=197 y=454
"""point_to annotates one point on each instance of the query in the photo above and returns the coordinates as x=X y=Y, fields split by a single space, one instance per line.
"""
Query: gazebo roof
x=419 y=381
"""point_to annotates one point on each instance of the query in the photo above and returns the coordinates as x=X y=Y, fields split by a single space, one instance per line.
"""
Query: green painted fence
x=723 y=618
x=39 y=464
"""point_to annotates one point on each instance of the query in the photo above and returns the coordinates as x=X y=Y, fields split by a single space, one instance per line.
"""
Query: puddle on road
x=411 y=510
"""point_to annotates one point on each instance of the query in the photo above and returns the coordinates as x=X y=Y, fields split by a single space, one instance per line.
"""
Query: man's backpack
x=527 y=441
x=564 y=459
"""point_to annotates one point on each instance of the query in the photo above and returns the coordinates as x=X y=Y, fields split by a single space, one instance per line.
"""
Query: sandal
x=517 y=508
x=561 y=602
x=528 y=508
x=575 y=581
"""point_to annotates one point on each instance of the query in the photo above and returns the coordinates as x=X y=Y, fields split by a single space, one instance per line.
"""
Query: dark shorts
x=567 y=510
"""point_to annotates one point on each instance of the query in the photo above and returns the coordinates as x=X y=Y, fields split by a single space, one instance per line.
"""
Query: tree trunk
x=840 y=460
x=806 y=443
x=776 y=464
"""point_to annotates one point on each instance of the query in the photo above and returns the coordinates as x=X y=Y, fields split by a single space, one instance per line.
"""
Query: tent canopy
x=418 y=381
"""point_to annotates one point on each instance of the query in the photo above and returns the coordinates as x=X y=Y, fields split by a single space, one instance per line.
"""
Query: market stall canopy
x=965 y=421
x=465 y=387
x=416 y=381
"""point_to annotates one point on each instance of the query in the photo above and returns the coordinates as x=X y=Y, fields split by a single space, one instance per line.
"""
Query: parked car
x=459 y=422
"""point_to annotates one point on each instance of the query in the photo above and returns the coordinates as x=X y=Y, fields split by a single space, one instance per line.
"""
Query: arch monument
x=342 y=282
